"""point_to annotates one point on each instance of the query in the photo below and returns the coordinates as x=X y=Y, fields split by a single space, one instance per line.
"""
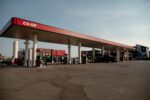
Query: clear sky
x=124 y=21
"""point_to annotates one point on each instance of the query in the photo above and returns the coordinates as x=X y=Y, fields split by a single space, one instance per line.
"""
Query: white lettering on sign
x=30 y=24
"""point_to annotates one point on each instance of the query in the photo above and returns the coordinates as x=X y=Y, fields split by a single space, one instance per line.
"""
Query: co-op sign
x=29 y=24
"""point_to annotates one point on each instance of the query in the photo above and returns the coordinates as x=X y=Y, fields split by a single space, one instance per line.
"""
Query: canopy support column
x=118 y=54
x=79 y=52
x=127 y=55
x=15 y=49
x=34 y=51
x=93 y=50
x=26 y=58
x=109 y=52
x=103 y=50
x=69 y=53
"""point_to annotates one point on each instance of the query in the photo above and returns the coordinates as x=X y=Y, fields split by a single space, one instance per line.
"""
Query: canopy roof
x=25 y=29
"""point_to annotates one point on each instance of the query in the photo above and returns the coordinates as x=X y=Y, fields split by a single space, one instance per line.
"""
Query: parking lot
x=128 y=80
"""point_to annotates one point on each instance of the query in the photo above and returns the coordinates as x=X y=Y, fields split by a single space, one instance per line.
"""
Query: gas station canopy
x=24 y=29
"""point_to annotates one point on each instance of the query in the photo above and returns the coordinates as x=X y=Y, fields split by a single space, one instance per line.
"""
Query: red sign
x=29 y=24
x=24 y=23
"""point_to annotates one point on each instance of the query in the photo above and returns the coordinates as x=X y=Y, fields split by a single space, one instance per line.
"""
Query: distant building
x=43 y=52
x=52 y=55
x=141 y=52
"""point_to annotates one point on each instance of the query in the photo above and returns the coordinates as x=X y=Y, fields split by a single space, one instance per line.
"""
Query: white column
x=15 y=49
x=103 y=50
x=93 y=49
x=127 y=53
x=118 y=54
x=79 y=52
x=108 y=51
x=30 y=56
x=34 y=51
x=26 y=53
x=69 y=53
x=148 y=53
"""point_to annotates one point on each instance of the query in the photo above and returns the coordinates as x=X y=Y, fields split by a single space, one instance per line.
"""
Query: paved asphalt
x=102 y=81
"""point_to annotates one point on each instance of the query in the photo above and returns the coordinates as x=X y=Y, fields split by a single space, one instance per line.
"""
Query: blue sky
x=124 y=21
